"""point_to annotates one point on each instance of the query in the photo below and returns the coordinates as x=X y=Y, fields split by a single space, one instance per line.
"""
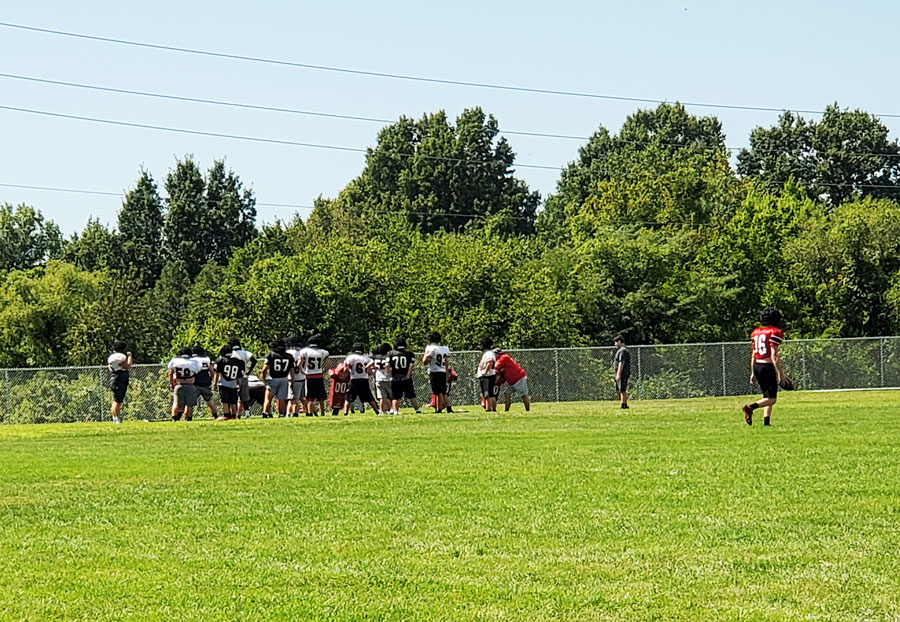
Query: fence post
x=556 y=367
x=724 y=380
x=100 y=393
x=803 y=358
x=6 y=389
x=640 y=385
x=881 y=358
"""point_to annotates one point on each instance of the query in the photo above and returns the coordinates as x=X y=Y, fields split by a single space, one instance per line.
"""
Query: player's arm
x=409 y=371
x=171 y=378
x=776 y=359
x=129 y=361
x=264 y=371
x=252 y=364
x=619 y=368
x=752 y=363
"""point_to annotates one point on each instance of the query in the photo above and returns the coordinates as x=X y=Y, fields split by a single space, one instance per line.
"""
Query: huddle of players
x=294 y=376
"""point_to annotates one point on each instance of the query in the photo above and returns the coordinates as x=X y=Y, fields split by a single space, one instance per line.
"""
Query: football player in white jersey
x=487 y=375
x=297 y=392
x=182 y=371
x=119 y=364
x=361 y=368
x=437 y=357
x=314 y=361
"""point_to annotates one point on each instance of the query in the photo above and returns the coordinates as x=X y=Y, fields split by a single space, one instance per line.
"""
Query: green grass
x=674 y=510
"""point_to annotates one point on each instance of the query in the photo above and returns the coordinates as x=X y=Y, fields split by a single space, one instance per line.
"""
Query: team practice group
x=294 y=373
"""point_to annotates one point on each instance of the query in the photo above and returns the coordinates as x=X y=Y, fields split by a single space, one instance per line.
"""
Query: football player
x=383 y=388
x=182 y=370
x=297 y=390
x=361 y=367
x=314 y=361
x=229 y=371
x=765 y=364
x=203 y=379
x=401 y=363
x=119 y=364
x=516 y=379
x=249 y=364
x=487 y=375
x=437 y=357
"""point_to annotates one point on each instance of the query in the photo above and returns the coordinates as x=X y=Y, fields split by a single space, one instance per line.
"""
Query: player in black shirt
x=402 y=362
x=279 y=367
x=228 y=374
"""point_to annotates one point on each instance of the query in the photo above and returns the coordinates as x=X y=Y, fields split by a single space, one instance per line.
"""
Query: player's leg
x=507 y=401
x=176 y=403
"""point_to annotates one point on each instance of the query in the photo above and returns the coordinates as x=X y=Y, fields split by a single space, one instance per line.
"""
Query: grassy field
x=673 y=510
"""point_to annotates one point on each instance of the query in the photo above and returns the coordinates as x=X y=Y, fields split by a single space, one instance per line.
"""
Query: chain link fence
x=69 y=394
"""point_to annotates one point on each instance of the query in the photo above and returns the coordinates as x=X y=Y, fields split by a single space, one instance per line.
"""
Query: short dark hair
x=315 y=340
x=198 y=350
x=185 y=352
x=277 y=345
x=400 y=342
x=619 y=339
x=770 y=316
x=225 y=350
x=434 y=337
x=119 y=346
x=384 y=348
x=234 y=343
x=294 y=341
x=487 y=343
x=358 y=347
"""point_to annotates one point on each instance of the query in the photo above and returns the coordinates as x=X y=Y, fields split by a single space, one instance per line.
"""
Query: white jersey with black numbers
x=185 y=368
x=298 y=369
x=359 y=365
x=382 y=367
x=438 y=357
x=313 y=361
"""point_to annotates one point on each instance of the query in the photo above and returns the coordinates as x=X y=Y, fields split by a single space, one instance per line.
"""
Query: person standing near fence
x=297 y=391
x=119 y=364
x=402 y=363
x=203 y=380
x=437 y=357
x=314 y=361
x=622 y=368
x=765 y=364
x=487 y=375
x=361 y=368
x=249 y=364
x=228 y=373
x=516 y=379
x=182 y=371
x=279 y=369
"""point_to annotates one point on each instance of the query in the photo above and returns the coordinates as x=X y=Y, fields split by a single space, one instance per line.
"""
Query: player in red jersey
x=515 y=378
x=765 y=364
x=340 y=384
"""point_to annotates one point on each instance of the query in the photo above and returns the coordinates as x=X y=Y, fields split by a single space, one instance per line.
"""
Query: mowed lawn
x=672 y=510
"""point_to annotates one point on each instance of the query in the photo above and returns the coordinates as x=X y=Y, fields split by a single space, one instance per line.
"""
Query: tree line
x=653 y=232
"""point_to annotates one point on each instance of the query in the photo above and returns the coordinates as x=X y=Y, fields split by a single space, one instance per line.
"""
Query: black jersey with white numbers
x=280 y=364
x=400 y=360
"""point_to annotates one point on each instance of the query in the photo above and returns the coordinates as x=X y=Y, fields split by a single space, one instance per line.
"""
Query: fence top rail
x=561 y=349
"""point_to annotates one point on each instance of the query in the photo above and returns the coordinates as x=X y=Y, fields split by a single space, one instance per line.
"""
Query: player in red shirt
x=340 y=384
x=516 y=379
x=765 y=364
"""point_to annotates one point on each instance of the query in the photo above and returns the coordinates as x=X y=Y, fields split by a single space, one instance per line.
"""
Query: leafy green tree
x=664 y=166
x=95 y=248
x=38 y=307
x=440 y=175
x=231 y=210
x=141 y=221
x=115 y=314
x=846 y=154
x=28 y=240
x=163 y=308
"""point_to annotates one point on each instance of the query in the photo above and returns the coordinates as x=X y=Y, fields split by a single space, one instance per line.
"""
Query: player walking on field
x=765 y=364
x=437 y=357
x=622 y=369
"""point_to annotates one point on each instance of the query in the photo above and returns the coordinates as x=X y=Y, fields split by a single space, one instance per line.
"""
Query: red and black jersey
x=340 y=384
x=764 y=340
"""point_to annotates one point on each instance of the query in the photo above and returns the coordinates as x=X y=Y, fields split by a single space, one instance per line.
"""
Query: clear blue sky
x=795 y=55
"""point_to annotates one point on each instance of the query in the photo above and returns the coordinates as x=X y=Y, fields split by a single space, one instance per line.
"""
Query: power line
x=275 y=141
x=215 y=102
x=413 y=78
x=166 y=96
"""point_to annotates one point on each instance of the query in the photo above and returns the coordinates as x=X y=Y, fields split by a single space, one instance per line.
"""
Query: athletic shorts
x=438 y=382
x=118 y=384
x=278 y=387
x=520 y=388
x=205 y=392
x=767 y=378
x=404 y=388
x=487 y=386
x=228 y=395
x=315 y=389
x=297 y=390
x=384 y=389
x=622 y=385
x=360 y=390
x=245 y=390
x=186 y=395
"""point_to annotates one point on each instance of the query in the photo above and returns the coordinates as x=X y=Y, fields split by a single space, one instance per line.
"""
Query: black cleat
x=748 y=414
x=624 y=406
x=766 y=421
